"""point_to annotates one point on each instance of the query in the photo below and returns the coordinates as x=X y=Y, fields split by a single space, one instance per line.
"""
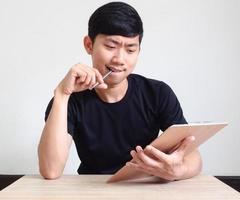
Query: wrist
x=60 y=95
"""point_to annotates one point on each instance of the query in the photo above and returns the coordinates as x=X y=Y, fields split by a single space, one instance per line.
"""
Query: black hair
x=115 y=18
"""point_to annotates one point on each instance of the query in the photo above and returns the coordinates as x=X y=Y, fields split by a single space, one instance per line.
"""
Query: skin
x=119 y=54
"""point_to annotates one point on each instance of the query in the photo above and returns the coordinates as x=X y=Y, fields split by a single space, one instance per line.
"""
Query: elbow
x=48 y=172
x=50 y=175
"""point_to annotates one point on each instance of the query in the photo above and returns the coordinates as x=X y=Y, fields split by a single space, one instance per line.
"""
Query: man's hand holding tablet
x=164 y=156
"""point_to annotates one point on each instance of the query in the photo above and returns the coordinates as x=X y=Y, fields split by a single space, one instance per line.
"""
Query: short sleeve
x=70 y=118
x=170 y=111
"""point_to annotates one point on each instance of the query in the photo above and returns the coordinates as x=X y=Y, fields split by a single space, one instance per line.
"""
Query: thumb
x=102 y=86
x=184 y=145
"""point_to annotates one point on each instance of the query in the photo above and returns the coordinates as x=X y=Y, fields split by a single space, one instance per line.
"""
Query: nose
x=118 y=57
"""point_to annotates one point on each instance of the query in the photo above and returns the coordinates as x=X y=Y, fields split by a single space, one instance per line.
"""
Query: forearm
x=55 y=141
x=192 y=164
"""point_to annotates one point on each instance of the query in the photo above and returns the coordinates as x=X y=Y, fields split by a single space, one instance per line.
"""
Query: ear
x=88 y=44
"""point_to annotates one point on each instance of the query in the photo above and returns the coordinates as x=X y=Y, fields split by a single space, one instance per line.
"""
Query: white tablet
x=169 y=139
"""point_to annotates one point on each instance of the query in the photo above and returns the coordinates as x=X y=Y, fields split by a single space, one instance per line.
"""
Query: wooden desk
x=94 y=187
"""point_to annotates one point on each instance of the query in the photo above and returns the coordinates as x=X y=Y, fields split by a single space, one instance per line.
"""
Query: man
x=112 y=123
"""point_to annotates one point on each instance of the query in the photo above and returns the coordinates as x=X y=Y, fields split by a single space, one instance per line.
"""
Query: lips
x=114 y=69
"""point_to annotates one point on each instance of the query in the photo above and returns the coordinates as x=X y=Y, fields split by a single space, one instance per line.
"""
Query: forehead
x=118 y=39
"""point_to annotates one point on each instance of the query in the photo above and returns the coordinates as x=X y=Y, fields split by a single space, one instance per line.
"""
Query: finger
x=141 y=167
x=97 y=81
x=88 y=79
x=135 y=157
x=81 y=77
x=159 y=173
x=139 y=148
x=93 y=77
x=133 y=153
x=146 y=159
x=99 y=77
x=158 y=154
x=182 y=149
x=138 y=161
x=134 y=165
x=79 y=72
x=102 y=86
x=78 y=80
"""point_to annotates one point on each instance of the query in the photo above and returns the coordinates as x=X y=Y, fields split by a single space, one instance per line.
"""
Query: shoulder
x=149 y=85
x=153 y=92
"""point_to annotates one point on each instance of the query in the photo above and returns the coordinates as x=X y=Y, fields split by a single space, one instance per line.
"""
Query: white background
x=193 y=45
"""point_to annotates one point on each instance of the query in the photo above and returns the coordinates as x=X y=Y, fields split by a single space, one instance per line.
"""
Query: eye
x=131 y=51
x=109 y=46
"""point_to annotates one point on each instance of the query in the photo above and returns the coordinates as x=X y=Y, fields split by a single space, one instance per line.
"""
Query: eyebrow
x=118 y=43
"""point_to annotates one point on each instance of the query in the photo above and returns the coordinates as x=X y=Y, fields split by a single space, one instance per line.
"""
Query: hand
x=80 y=77
x=154 y=162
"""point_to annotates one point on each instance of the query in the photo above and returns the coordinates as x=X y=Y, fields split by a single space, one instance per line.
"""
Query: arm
x=193 y=164
x=170 y=167
x=55 y=142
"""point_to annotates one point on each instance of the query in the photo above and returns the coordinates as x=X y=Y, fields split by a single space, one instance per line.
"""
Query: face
x=116 y=53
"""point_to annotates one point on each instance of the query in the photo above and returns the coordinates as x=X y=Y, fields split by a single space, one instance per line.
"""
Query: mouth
x=115 y=69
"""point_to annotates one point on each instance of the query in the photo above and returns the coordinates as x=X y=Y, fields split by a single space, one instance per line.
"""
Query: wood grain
x=95 y=187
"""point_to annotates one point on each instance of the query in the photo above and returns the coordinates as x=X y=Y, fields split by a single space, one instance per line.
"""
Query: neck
x=113 y=93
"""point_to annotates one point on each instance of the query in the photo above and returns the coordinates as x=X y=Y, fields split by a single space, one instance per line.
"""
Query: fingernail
x=148 y=147
x=193 y=138
x=138 y=148
x=132 y=153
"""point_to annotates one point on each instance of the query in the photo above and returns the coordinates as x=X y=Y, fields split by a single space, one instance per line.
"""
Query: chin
x=115 y=82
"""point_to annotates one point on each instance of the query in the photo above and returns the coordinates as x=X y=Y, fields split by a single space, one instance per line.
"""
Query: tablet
x=168 y=140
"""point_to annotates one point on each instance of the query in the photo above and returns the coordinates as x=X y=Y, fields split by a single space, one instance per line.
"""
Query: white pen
x=96 y=84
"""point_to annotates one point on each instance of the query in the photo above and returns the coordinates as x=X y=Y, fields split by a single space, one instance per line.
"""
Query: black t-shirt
x=105 y=133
